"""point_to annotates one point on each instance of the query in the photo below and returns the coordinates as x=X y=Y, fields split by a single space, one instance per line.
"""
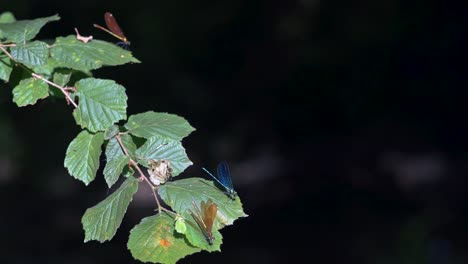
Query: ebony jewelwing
x=114 y=29
x=224 y=178
x=205 y=218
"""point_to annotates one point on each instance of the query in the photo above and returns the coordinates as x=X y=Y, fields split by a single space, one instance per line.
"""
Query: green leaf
x=128 y=173
x=21 y=31
x=31 y=54
x=101 y=104
x=62 y=76
x=72 y=53
x=82 y=157
x=180 y=194
x=164 y=125
x=116 y=162
x=154 y=240
x=111 y=132
x=46 y=69
x=129 y=144
x=29 y=91
x=158 y=148
x=180 y=225
x=7 y=17
x=6 y=67
x=116 y=158
x=101 y=221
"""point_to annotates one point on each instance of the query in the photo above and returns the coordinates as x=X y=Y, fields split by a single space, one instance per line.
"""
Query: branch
x=63 y=89
x=142 y=175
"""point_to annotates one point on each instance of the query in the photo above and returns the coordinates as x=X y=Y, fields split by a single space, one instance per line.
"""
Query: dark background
x=344 y=124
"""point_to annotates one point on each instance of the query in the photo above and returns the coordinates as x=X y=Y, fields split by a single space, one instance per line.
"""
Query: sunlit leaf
x=180 y=225
x=101 y=221
x=163 y=125
x=28 y=91
x=72 y=53
x=155 y=240
x=180 y=194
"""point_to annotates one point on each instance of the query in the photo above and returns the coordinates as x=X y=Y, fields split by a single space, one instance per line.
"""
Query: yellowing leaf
x=155 y=240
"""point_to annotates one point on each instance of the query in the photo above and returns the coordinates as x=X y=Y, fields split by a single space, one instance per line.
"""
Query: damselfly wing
x=114 y=29
x=205 y=218
x=224 y=179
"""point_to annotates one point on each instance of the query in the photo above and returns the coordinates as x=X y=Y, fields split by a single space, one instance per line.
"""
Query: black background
x=344 y=124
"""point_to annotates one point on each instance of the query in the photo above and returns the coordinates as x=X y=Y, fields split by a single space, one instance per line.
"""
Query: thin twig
x=62 y=89
x=142 y=175
x=169 y=211
x=57 y=86
x=71 y=89
x=119 y=139
x=6 y=52
x=154 y=193
x=8 y=45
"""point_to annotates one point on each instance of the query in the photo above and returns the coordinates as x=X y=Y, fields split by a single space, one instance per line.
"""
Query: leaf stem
x=63 y=89
x=142 y=175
